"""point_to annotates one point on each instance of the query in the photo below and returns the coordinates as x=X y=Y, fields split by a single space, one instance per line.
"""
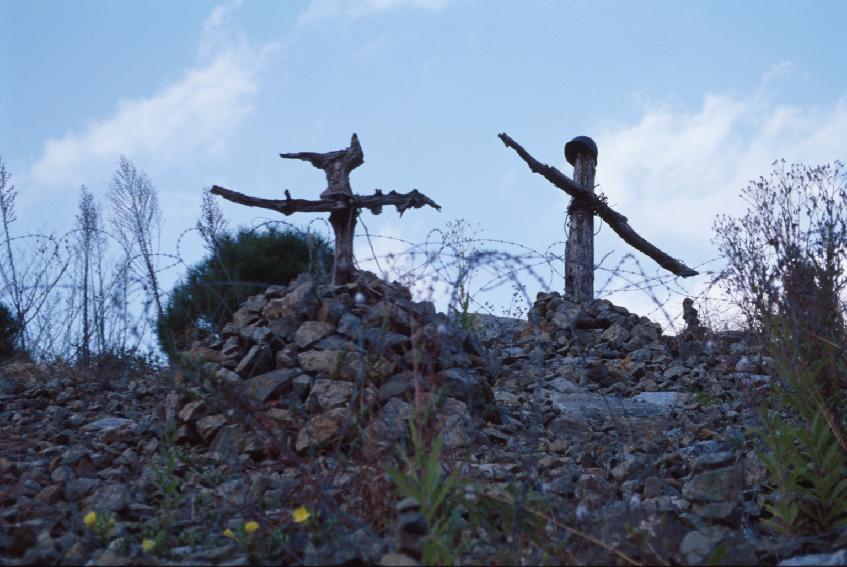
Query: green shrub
x=242 y=265
x=807 y=451
x=9 y=330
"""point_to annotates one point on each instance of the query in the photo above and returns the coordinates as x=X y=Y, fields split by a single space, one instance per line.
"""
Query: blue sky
x=686 y=101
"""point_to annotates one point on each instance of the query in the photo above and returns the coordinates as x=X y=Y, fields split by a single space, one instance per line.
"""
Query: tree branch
x=614 y=219
x=401 y=201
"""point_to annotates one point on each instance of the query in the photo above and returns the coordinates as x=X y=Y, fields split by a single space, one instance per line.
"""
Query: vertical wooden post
x=343 y=223
x=581 y=152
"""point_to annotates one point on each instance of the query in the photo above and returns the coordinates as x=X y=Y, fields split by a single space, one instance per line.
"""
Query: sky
x=686 y=101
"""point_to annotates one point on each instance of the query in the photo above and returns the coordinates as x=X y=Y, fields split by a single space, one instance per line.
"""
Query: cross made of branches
x=581 y=152
x=337 y=199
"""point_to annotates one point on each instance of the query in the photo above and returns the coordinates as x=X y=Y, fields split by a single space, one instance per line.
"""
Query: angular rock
x=273 y=383
x=835 y=558
x=311 y=332
x=327 y=394
x=321 y=430
x=208 y=426
x=112 y=497
x=258 y=360
x=715 y=485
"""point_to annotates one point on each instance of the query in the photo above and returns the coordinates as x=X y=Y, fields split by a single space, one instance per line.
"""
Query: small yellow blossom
x=228 y=533
x=251 y=527
x=301 y=514
x=148 y=545
x=90 y=518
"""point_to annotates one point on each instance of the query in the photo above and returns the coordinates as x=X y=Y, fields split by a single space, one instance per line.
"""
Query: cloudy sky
x=686 y=101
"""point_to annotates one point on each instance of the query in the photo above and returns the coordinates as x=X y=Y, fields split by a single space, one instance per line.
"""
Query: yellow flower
x=228 y=533
x=90 y=518
x=148 y=545
x=301 y=514
x=251 y=527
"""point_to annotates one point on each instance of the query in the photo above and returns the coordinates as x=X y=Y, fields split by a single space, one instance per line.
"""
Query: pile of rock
x=639 y=439
x=326 y=363
x=632 y=431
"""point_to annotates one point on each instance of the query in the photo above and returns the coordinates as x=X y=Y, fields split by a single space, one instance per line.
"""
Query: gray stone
x=382 y=433
x=712 y=461
x=616 y=335
x=396 y=385
x=209 y=425
x=697 y=545
x=273 y=383
x=379 y=340
x=228 y=377
x=329 y=363
x=311 y=332
x=562 y=385
x=112 y=497
x=714 y=510
x=301 y=385
x=462 y=384
x=109 y=423
x=674 y=372
x=328 y=394
x=300 y=301
x=511 y=354
x=259 y=359
x=256 y=333
x=350 y=326
x=662 y=399
x=321 y=430
x=191 y=411
x=226 y=440
x=715 y=485
x=453 y=422
x=62 y=473
x=835 y=558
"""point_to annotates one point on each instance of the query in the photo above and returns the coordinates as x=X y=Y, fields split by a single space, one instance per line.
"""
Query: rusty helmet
x=579 y=144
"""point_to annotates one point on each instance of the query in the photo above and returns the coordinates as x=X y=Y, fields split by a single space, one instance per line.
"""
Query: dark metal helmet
x=578 y=144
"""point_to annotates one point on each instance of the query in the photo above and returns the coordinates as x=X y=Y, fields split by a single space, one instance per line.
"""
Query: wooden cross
x=581 y=152
x=337 y=199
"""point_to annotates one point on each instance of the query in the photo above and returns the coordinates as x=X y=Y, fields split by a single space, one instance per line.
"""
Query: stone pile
x=326 y=361
x=637 y=434
x=642 y=440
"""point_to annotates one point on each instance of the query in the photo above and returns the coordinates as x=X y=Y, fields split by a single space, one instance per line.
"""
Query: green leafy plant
x=466 y=319
x=168 y=492
x=454 y=507
x=237 y=267
x=807 y=455
x=9 y=330
x=100 y=523
x=440 y=499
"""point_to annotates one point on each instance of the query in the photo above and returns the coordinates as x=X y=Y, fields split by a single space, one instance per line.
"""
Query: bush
x=786 y=259
x=9 y=330
x=240 y=266
x=786 y=256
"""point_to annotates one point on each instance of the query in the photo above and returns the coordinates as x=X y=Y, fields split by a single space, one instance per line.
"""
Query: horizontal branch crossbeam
x=614 y=219
x=401 y=201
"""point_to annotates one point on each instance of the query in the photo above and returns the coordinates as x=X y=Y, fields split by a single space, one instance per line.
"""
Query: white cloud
x=198 y=113
x=672 y=170
x=321 y=9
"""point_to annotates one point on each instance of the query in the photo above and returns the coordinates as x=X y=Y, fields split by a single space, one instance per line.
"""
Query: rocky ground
x=629 y=446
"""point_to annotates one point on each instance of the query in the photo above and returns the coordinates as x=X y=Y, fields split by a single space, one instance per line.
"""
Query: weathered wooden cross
x=581 y=152
x=337 y=199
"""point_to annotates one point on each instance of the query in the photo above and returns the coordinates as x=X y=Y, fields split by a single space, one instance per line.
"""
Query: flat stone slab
x=108 y=423
x=587 y=405
x=664 y=399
